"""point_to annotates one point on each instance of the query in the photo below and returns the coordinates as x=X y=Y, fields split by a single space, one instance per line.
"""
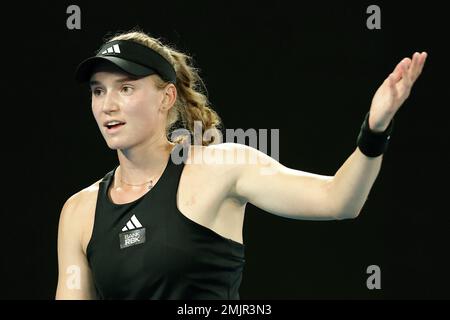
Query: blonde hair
x=191 y=103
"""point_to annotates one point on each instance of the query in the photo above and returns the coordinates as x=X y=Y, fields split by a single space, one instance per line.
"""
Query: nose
x=110 y=103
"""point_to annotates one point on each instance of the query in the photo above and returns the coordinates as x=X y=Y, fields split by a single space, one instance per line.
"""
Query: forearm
x=350 y=186
x=352 y=183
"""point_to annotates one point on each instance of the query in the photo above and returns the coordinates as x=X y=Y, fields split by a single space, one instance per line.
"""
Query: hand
x=394 y=91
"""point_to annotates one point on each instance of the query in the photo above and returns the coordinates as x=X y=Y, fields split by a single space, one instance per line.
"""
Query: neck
x=143 y=162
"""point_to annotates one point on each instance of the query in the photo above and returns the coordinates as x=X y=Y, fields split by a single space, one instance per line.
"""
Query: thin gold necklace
x=138 y=185
x=141 y=184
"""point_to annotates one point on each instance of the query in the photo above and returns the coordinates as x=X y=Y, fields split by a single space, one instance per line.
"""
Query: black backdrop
x=309 y=70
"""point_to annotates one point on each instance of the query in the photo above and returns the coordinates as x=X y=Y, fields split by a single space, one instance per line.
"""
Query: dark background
x=309 y=70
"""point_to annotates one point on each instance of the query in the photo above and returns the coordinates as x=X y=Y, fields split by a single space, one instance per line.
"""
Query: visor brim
x=85 y=68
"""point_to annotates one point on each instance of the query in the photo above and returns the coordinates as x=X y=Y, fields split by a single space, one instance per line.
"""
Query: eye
x=127 y=90
x=96 y=91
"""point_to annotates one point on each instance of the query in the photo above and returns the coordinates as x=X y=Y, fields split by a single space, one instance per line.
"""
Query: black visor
x=129 y=56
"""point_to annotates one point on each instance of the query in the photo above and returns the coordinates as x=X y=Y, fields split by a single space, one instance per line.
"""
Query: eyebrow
x=120 y=80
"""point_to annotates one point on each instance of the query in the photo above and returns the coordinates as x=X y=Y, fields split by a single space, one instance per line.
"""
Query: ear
x=170 y=96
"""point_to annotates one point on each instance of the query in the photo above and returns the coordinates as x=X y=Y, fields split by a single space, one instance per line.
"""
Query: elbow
x=342 y=207
x=348 y=211
x=347 y=214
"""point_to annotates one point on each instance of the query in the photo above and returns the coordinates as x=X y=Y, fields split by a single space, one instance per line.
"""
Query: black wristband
x=371 y=143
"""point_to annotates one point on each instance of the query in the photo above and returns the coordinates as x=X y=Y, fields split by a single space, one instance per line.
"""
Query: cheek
x=95 y=112
x=142 y=110
x=145 y=118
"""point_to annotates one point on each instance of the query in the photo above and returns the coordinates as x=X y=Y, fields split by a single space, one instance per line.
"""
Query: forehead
x=107 y=72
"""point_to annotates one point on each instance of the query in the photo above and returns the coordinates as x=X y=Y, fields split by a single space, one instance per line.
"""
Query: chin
x=113 y=147
x=116 y=145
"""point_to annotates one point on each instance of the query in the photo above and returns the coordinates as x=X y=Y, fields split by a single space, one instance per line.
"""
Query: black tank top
x=148 y=249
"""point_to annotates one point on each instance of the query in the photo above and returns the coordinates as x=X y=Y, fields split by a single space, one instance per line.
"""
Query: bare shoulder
x=82 y=198
x=219 y=158
x=229 y=154
x=78 y=213
x=221 y=164
x=229 y=157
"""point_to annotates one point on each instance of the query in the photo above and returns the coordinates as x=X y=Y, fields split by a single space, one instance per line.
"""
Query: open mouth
x=114 y=125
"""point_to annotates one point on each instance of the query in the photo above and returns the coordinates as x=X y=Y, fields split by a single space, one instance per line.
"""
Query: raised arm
x=74 y=278
x=279 y=190
x=301 y=195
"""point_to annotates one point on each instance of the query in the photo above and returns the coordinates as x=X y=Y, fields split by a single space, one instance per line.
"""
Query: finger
x=401 y=69
x=397 y=73
x=406 y=65
x=420 y=64
x=405 y=81
x=414 y=67
x=392 y=85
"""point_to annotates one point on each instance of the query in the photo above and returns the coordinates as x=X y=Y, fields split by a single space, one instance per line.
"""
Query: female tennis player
x=155 y=228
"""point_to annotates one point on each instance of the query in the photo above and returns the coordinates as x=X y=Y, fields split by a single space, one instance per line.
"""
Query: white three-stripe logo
x=133 y=223
x=114 y=49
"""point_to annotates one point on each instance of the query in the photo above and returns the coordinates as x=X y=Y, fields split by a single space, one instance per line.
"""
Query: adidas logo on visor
x=133 y=223
x=114 y=49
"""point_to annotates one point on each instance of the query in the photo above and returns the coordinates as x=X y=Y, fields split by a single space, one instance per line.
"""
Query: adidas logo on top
x=133 y=223
x=133 y=234
x=114 y=49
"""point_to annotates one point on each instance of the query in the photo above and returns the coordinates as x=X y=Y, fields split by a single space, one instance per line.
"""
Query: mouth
x=113 y=126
